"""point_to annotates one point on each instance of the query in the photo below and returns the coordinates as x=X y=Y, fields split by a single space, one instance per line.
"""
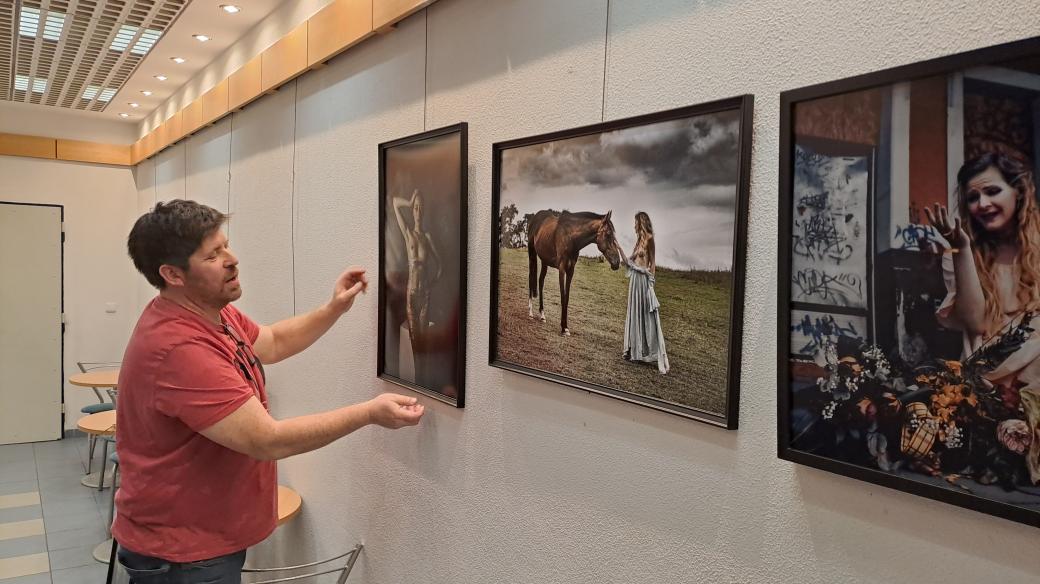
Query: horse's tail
x=532 y=264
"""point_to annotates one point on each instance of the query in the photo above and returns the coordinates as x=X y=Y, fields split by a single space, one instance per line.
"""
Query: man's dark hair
x=169 y=234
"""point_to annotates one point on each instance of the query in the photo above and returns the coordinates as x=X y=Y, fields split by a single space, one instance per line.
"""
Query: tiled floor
x=49 y=522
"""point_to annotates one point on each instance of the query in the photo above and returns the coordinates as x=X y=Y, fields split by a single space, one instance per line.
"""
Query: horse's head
x=607 y=242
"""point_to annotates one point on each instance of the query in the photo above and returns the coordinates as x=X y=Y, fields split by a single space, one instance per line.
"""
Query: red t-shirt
x=182 y=497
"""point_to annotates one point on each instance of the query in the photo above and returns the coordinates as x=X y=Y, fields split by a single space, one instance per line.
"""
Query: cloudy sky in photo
x=683 y=173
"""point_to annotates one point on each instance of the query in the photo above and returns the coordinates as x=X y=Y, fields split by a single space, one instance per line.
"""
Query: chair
x=101 y=406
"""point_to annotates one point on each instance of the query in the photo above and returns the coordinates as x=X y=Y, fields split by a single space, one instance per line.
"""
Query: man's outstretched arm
x=288 y=337
x=252 y=431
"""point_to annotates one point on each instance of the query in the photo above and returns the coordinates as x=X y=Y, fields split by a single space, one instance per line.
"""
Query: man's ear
x=173 y=275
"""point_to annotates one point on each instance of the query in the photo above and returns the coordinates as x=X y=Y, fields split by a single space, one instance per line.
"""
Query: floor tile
x=16 y=514
x=65 y=522
x=23 y=546
x=56 y=510
x=59 y=468
x=19 y=487
x=19 y=471
x=16 y=452
x=92 y=574
x=19 y=499
x=24 y=565
x=63 y=489
x=44 y=578
x=76 y=537
x=19 y=529
x=74 y=557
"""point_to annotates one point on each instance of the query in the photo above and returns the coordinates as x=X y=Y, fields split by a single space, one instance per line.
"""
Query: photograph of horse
x=557 y=238
x=642 y=220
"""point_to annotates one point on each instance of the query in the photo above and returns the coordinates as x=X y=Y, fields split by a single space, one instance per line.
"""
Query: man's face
x=212 y=275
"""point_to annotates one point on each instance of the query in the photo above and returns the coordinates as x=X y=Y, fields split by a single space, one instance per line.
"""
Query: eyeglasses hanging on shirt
x=246 y=359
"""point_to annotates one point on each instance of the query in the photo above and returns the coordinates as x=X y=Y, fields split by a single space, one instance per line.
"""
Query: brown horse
x=556 y=238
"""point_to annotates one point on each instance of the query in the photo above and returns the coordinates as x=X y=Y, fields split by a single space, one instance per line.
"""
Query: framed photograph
x=909 y=279
x=423 y=189
x=617 y=265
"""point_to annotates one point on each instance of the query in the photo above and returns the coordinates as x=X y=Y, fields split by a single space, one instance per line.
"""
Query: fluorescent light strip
x=90 y=92
x=53 y=26
x=123 y=37
x=106 y=94
x=146 y=42
x=29 y=24
x=21 y=83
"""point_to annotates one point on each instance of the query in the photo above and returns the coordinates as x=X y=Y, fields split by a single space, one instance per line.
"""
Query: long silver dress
x=644 y=337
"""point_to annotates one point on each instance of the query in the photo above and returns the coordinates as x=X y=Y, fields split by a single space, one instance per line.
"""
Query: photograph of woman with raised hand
x=913 y=287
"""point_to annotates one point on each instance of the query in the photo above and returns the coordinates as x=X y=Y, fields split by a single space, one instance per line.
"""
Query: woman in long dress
x=644 y=337
x=421 y=277
x=992 y=273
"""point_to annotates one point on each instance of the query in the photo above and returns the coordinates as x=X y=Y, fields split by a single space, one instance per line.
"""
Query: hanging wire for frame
x=351 y=556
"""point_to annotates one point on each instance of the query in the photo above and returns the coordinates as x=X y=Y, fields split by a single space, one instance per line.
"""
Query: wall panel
x=261 y=204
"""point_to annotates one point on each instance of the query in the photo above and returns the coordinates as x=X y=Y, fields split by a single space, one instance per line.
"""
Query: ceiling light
x=146 y=41
x=200 y=37
x=146 y=92
x=90 y=92
x=30 y=22
x=122 y=39
x=53 y=25
x=161 y=77
x=230 y=8
x=106 y=94
x=177 y=60
x=134 y=104
x=124 y=115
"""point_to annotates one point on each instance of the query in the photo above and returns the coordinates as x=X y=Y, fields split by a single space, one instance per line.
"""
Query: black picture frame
x=790 y=101
x=456 y=347
x=727 y=416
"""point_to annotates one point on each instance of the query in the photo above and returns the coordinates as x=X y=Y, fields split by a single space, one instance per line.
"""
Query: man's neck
x=210 y=313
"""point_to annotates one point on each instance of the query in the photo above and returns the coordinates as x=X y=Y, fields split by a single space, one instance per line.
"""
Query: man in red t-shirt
x=196 y=443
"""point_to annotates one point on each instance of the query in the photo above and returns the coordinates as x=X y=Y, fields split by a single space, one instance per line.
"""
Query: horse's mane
x=580 y=215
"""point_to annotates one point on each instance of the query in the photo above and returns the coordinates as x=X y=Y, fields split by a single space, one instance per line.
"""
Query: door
x=31 y=376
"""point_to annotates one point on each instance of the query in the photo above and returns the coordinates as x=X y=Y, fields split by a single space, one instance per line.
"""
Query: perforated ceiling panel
x=77 y=53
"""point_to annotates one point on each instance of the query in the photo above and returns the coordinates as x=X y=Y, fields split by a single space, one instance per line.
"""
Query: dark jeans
x=148 y=570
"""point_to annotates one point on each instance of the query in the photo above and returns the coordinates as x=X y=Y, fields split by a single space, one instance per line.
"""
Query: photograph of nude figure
x=422 y=262
x=619 y=254
x=909 y=279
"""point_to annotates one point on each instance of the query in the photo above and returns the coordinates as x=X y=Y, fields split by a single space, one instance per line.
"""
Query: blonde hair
x=645 y=239
x=1017 y=174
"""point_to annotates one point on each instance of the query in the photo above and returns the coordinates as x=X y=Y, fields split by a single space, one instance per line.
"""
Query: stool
x=101 y=424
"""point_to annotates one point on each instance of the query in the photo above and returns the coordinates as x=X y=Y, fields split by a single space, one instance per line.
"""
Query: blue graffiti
x=820 y=329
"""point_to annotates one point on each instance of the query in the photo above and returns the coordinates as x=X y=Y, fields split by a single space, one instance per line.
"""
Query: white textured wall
x=99 y=203
x=534 y=482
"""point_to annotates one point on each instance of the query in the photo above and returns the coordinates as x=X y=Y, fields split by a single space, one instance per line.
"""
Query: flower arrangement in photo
x=942 y=418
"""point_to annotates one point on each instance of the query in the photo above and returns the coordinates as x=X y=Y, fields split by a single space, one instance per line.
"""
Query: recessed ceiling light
x=230 y=8
x=124 y=115
x=146 y=92
x=200 y=37
x=177 y=60
x=134 y=104
x=161 y=77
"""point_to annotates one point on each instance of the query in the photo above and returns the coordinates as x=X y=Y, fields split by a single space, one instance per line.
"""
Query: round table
x=99 y=424
x=106 y=378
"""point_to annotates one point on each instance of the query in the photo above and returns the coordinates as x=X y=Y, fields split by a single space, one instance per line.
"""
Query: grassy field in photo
x=694 y=316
